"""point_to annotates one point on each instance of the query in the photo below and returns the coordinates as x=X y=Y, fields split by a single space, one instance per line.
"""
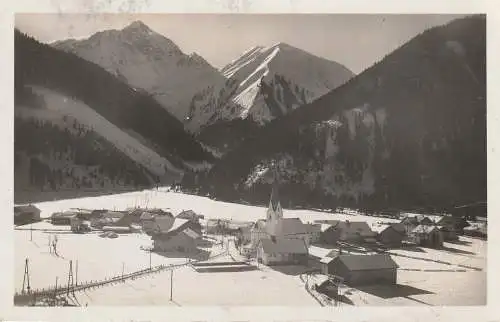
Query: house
x=362 y=269
x=193 y=218
x=449 y=233
x=258 y=232
x=190 y=215
x=428 y=236
x=280 y=251
x=26 y=214
x=328 y=234
x=347 y=231
x=216 y=226
x=453 y=223
x=293 y=228
x=79 y=225
x=390 y=234
x=477 y=229
x=317 y=254
x=112 y=218
x=62 y=218
x=149 y=219
x=411 y=221
x=177 y=236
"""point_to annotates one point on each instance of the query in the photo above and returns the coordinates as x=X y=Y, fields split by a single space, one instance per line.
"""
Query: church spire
x=274 y=211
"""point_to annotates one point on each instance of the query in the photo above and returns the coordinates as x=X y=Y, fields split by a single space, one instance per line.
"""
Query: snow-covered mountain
x=266 y=83
x=260 y=84
x=151 y=62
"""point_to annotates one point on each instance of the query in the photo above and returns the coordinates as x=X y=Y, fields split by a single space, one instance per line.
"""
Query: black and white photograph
x=291 y=160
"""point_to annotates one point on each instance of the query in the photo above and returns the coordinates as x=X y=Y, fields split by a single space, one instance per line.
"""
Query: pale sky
x=354 y=40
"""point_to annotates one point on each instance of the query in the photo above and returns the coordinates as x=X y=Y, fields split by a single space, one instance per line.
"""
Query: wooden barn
x=411 y=221
x=346 y=231
x=362 y=269
x=390 y=234
x=62 y=218
x=26 y=215
x=189 y=215
x=455 y=224
x=282 y=251
x=427 y=236
x=176 y=237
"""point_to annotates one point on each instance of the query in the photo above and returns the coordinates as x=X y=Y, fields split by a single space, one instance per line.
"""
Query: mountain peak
x=138 y=26
x=283 y=46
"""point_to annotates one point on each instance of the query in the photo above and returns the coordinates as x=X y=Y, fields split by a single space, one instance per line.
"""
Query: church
x=279 y=240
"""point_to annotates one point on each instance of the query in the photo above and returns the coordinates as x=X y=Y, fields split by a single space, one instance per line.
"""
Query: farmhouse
x=346 y=231
x=112 y=218
x=390 y=234
x=62 y=218
x=477 y=229
x=78 y=225
x=411 y=221
x=428 y=236
x=149 y=220
x=362 y=269
x=317 y=254
x=189 y=215
x=215 y=226
x=278 y=251
x=175 y=237
x=26 y=214
x=453 y=223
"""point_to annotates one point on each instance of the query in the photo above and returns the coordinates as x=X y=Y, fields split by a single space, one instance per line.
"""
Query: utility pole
x=171 y=282
x=150 y=258
x=123 y=268
x=55 y=289
x=76 y=273
x=31 y=232
x=70 y=276
x=26 y=278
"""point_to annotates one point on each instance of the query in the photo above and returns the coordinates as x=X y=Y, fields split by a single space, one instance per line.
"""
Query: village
x=157 y=255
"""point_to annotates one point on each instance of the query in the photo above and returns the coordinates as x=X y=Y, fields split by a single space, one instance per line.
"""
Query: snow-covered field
x=98 y=258
x=177 y=202
x=455 y=275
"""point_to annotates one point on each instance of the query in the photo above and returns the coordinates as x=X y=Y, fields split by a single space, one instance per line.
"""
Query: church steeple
x=274 y=211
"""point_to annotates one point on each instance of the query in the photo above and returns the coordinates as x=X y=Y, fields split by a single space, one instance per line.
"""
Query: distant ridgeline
x=408 y=132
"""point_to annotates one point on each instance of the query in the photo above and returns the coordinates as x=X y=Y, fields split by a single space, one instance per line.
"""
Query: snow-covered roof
x=147 y=216
x=284 y=246
x=291 y=226
x=187 y=214
x=326 y=260
x=368 y=262
x=424 y=229
x=321 y=252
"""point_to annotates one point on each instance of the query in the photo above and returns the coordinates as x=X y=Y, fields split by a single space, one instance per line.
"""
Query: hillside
x=129 y=109
x=408 y=132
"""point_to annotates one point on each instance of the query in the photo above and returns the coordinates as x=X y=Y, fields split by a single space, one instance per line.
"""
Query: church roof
x=284 y=246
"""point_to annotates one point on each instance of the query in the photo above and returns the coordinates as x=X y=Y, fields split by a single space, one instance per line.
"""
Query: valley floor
x=455 y=275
